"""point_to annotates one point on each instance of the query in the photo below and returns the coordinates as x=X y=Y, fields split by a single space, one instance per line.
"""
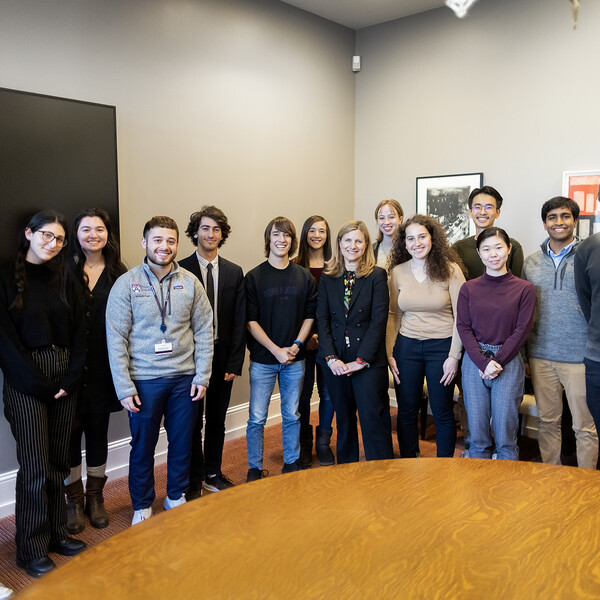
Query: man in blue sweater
x=557 y=342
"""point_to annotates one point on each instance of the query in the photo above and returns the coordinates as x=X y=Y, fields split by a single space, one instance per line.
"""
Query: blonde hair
x=336 y=266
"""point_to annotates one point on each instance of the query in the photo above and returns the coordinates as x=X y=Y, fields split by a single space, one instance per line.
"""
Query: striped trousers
x=41 y=430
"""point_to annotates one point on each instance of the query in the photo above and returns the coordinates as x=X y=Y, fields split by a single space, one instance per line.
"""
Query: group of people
x=167 y=339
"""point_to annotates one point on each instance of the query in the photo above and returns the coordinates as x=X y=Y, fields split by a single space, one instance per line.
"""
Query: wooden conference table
x=417 y=528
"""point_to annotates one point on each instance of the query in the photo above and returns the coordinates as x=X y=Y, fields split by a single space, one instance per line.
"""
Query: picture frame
x=445 y=197
x=584 y=188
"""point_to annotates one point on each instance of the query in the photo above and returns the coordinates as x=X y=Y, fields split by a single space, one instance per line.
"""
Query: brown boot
x=94 y=502
x=75 y=518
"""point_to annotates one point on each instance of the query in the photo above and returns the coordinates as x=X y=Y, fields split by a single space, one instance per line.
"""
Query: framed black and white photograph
x=445 y=197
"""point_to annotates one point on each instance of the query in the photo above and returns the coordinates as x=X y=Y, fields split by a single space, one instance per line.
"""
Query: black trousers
x=207 y=457
x=41 y=430
x=365 y=391
x=95 y=427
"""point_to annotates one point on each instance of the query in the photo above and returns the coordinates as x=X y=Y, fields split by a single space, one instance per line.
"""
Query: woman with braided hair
x=42 y=352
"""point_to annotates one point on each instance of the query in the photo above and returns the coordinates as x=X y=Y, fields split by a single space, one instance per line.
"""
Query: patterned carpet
x=119 y=507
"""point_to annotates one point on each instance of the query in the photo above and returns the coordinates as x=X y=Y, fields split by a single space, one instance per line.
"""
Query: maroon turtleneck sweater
x=495 y=311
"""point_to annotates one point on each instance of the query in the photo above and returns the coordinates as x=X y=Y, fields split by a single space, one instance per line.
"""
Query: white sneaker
x=5 y=592
x=141 y=515
x=169 y=504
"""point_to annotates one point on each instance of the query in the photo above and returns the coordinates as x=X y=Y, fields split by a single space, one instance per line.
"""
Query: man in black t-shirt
x=281 y=300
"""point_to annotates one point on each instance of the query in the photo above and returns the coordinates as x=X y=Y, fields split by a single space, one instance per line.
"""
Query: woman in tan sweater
x=422 y=341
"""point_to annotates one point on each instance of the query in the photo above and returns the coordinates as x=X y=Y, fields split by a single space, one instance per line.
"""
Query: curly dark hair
x=112 y=254
x=211 y=212
x=438 y=263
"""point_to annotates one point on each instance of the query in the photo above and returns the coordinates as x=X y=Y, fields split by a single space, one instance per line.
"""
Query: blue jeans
x=325 y=404
x=497 y=400
x=168 y=397
x=416 y=360
x=262 y=383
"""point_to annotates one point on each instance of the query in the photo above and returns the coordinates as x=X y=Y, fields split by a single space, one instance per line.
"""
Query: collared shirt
x=558 y=257
x=215 y=273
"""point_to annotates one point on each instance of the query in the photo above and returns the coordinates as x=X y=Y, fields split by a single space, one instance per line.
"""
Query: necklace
x=90 y=267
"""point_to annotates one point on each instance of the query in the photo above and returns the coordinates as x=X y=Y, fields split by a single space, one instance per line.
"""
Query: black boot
x=94 y=502
x=324 y=453
x=75 y=518
x=306 y=442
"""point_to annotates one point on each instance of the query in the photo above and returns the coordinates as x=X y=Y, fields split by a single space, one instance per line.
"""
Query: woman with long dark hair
x=495 y=316
x=422 y=341
x=314 y=251
x=42 y=352
x=352 y=313
x=96 y=262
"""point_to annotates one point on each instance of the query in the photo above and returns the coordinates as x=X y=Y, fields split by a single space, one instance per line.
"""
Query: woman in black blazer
x=351 y=316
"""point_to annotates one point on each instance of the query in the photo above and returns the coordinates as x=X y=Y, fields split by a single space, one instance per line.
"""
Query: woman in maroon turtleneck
x=494 y=318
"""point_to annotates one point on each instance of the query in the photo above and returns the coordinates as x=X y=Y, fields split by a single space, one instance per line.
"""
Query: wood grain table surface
x=413 y=528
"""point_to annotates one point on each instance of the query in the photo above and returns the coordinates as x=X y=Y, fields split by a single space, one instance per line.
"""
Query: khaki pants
x=549 y=379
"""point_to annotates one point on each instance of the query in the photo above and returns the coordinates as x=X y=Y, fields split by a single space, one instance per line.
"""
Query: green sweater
x=467 y=250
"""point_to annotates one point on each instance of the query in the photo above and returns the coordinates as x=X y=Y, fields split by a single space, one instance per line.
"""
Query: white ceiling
x=364 y=13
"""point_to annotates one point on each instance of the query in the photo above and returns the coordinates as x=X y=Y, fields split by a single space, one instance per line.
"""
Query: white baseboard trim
x=118 y=451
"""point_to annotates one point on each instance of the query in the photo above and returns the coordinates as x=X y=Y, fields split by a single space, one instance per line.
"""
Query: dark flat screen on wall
x=55 y=153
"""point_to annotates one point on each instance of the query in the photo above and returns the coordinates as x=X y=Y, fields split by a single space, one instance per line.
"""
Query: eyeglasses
x=480 y=207
x=49 y=237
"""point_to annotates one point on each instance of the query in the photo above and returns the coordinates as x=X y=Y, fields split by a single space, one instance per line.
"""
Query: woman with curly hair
x=422 y=341
x=96 y=262
x=42 y=353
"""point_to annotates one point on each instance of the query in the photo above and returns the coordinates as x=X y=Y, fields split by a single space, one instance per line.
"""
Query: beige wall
x=248 y=104
x=511 y=90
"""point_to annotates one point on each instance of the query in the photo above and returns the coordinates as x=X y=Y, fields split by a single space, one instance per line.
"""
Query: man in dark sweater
x=484 y=208
x=281 y=301
x=556 y=346
x=587 y=283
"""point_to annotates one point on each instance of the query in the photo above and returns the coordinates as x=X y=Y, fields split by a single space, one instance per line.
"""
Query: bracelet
x=331 y=359
x=299 y=343
x=360 y=361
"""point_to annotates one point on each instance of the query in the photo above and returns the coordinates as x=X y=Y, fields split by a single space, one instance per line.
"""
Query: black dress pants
x=206 y=458
x=365 y=391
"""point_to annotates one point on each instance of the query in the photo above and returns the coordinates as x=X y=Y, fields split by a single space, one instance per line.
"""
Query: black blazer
x=231 y=312
x=365 y=323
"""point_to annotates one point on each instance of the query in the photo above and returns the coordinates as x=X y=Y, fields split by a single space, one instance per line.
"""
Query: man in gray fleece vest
x=557 y=342
x=160 y=343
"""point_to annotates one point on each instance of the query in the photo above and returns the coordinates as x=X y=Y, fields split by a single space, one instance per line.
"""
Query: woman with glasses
x=495 y=315
x=314 y=251
x=351 y=317
x=422 y=341
x=95 y=260
x=42 y=352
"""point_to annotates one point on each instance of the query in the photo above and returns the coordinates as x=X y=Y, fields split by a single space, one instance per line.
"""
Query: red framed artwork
x=584 y=188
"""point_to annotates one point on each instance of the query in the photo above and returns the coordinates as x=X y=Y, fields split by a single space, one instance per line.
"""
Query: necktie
x=210 y=285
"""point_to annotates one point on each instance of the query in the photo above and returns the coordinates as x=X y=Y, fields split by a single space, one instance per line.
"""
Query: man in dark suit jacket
x=224 y=283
